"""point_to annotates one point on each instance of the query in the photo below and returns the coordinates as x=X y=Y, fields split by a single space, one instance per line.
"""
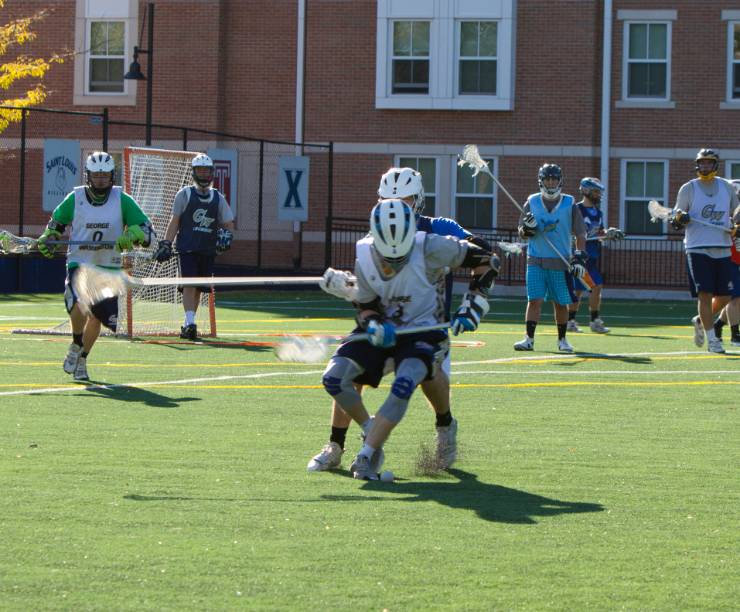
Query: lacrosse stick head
x=510 y=248
x=657 y=212
x=302 y=350
x=471 y=157
x=92 y=285
x=9 y=243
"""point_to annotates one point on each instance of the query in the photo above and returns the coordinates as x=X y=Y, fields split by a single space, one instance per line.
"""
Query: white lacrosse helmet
x=99 y=161
x=202 y=161
x=393 y=228
x=403 y=183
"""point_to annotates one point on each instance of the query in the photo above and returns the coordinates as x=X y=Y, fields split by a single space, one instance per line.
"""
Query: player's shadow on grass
x=182 y=345
x=489 y=501
x=634 y=359
x=136 y=395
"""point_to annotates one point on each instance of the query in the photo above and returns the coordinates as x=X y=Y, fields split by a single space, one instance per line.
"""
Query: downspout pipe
x=606 y=97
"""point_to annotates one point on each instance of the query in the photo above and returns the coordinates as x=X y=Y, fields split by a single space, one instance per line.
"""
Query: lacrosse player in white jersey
x=711 y=199
x=95 y=212
x=398 y=270
x=406 y=184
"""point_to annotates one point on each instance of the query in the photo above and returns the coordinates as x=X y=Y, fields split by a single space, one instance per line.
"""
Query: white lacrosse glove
x=529 y=225
x=382 y=334
x=614 y=233
x=578 y=264
x=339 y=283
x=473 y=308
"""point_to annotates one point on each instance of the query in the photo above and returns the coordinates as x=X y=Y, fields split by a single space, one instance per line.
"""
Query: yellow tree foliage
x=12 y=35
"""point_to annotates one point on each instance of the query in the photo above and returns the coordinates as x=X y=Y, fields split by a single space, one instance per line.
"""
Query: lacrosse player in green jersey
x=95 y=212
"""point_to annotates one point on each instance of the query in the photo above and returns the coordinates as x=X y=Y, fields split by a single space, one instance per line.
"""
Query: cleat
x=329 y=458
x=80 y=372
x=572 y=326
x=698 y=331
x=715 y=346
x=564 y=346
x=597 y=326
x=70 y=361
x=735 y=341
x=189 y=332
x=378 y=458
x=525 y=345
x=446 y=445
x=361 y=469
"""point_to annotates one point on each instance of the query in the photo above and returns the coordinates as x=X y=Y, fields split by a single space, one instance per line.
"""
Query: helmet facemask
x=707 y=171
x=393 y=228
x=203 y=171
x=593 y=189
x=546 y=173
x=100 y=174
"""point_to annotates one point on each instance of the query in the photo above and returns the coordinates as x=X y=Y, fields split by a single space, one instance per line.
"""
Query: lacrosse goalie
x=406 y=184
x=203 y=224
x=96 y=212
x=398 y=271
x=591 y=191
x=710 y=199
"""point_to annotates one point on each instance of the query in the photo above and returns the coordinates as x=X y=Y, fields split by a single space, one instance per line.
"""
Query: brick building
x=626 y=90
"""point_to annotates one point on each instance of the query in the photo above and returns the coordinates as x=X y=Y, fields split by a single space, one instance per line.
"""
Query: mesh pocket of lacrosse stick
x=303 y=349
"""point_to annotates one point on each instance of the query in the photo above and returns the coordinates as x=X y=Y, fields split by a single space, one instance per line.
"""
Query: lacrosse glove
x=578 y=264
x=528 y=228
x=164 y=250
x=339 y=283
x=614 y=233
x=48 y=250
x=736 y=236
x=472 y=309
x=223 y=240
x=381 y=334
x=679 y=219
x=131 y=236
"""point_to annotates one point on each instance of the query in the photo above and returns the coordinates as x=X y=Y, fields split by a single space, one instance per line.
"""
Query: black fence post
x=259 y=205
x=105 y=128
x=329 y=207
x=184 y=139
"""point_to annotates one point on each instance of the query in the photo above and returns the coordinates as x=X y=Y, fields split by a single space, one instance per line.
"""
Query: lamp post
x=134 y=72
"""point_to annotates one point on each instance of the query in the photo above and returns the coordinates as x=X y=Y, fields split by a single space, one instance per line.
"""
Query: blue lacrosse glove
x=48 y=250
x=164 y=251
x=381 y=334
x=223 y=240
x=472 y=309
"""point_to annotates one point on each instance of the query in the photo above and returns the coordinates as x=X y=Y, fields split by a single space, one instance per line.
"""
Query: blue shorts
x=106 y=311
x=550 y=285
x=710 y=275
x=431 y=347
x=197 y=264
x=592 y=266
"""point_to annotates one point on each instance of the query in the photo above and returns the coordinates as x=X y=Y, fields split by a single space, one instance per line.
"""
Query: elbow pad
x=55 y=226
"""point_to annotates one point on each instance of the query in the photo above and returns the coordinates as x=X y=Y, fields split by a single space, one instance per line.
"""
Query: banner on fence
x=61 y=170
x=293 y=189
x=226 y=174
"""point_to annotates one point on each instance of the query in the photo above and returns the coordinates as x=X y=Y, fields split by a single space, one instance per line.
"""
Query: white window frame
x=650 y=17
x=88 y=11
x=459 y=58
x=90 y=56
x=444 y=18
x=731 y=164
x=733 y=20
x=392 y=57
x=437 y=165
x=623 y=194
x=494 y=192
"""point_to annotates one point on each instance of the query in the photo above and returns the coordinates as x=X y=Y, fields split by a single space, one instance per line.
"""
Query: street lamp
x=134 y=72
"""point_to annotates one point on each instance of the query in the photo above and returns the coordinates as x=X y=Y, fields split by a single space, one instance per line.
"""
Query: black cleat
x=189 y=332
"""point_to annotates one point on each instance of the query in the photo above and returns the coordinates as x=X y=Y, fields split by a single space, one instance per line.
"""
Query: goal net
x=153 y=177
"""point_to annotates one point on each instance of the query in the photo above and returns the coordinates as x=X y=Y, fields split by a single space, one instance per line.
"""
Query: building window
x=411 y=57
x=428 y=168
x=733 y=170
x=734 y=67
x=474 y=202
x=648 y=62
x=445 y=55
x=478 y=53
x=643 y=181
x=107 y=57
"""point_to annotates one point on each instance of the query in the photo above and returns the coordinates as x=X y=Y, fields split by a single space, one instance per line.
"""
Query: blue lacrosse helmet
x=550 y=171
x=592 y=188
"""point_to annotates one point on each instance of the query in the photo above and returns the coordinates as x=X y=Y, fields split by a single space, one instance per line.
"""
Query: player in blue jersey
x=405 y=184
x=591 y=191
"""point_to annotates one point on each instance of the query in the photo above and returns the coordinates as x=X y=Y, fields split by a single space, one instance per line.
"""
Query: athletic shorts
x=106 y=311
x=431 y=347
x=550 y=285
x=197 y=264
x=592 y=267
x=709 y=274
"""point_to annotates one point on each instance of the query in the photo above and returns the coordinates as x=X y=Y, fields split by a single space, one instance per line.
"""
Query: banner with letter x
x=293 y=189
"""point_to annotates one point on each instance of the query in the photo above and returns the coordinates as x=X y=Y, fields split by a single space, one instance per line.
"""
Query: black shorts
x=106 y=311
x=709 y=274
x=431 y=347
x=197 y=264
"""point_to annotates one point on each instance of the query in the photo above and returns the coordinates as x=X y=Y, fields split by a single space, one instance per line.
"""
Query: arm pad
x=55 y=226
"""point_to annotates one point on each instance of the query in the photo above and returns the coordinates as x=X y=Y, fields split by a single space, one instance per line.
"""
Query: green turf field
x=605 y=480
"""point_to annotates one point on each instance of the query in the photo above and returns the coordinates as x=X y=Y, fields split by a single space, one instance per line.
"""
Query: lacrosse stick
x=92 y=285
x=471 y=157
x=21 y=245
x=662 y=213
x=316 y=348
x=510 y=248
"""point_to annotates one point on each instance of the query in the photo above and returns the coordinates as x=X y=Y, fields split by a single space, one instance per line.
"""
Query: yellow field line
x=172 y=366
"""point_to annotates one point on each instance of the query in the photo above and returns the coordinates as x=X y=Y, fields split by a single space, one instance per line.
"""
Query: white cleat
x=80 y=372
x=70 y=361
x=597 y=326
x=699 y=334
x=572 y=326
x=329 y=458
x=564 y=346
x=361 y=469
x=525 y=345
x=715 y=346
x=446 y=445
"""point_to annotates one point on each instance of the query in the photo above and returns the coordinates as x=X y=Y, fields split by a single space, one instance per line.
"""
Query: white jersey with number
x=714 y=209
x=415 y=295
x=102 y=223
